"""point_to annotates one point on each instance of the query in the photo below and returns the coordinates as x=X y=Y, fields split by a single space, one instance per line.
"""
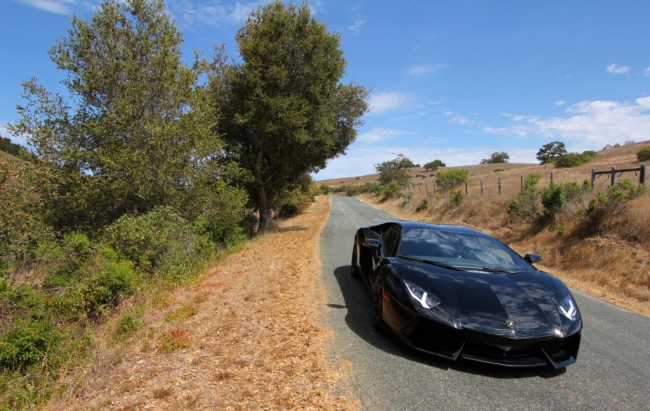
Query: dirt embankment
x=246 y=337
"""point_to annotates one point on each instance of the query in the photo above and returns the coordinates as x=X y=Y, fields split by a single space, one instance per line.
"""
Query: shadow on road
x=357 y=303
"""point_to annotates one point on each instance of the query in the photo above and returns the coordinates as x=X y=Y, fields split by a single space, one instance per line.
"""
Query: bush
x=451 y=179
x=27 y=343
x=556 y=196
x=391 y=190
x=643 y=154
x=575 y=159
x=424 y=204
x=608 y=204
x=456 y=197
x=526 y=202
x=160 y=242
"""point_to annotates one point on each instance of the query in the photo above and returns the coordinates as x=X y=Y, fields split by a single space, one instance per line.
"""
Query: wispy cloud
x=212 y=13
x=616 y=69
x=388 y=101
x=58 y=6
x=380 y=134
x=588 y=123
x=646 y=72
x=424 y=69
x=357 y=25
x=455 y=118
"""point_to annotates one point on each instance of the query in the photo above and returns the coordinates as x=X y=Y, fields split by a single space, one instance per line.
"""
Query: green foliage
x=127 y=327
x=556 y=196
x=284 y=111
x=14 y=149
x=138 y=130
x=526 y=202
x=643 y=154
x=574 y=159
x=550 y=152
x=605 y=205
x=497 y=157
x=434 y=165
x=394 y=170
x=22 y=226
x=456 y=197
x=160 y=242
x=424 y=205
x=27 y=343
x=451 y=179
x=391 y=190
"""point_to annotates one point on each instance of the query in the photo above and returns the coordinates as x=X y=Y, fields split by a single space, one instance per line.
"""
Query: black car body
x=455 y=292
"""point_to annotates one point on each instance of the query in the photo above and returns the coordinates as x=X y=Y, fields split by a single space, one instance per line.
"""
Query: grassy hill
x=611 y=261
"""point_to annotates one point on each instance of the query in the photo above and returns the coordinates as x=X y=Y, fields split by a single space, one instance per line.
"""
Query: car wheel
x=354 y=270
x=377 y=307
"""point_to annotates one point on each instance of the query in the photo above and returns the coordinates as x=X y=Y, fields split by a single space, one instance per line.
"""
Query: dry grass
x=252 y=338
x=614 y=266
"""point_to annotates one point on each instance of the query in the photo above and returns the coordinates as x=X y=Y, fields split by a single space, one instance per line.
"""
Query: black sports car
x=456 y=293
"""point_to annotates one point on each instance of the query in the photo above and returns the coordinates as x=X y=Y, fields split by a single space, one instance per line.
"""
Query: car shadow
x=357 y=303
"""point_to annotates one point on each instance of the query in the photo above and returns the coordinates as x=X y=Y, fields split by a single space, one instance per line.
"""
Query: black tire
x=377 y=307
x=354 y=270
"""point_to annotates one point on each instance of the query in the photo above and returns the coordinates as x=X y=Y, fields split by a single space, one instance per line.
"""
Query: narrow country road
x=612 y=371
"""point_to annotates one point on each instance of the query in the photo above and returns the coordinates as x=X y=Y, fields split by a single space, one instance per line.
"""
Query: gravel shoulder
x=248 y=336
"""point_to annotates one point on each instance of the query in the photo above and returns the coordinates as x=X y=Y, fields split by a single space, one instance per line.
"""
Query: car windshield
x=460 y=249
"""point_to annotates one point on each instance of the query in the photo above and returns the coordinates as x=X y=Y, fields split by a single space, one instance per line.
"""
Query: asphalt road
x=612 y=371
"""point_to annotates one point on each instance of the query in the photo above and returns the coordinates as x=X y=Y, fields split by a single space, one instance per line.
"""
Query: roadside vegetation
x=148 y=170
x=596 y=238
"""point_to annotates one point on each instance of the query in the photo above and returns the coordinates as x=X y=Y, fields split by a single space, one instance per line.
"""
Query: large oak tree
x=284 y=110
x=136 y=128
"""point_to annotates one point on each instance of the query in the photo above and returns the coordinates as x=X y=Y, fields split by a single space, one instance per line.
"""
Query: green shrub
x=160 y=242
x=456 y=197
x=643 y=154
x=424 y=204
x=391 y=190
x=27 y=343
x=526 y=202
x=451 y=179
x=607 y=204
x=556 y=196
x=575 y=159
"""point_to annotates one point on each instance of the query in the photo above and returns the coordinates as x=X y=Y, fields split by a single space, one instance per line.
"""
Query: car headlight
x=421 y=296
x=568 y=308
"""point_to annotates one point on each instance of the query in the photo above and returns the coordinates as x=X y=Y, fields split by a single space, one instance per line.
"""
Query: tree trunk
x=266 y=213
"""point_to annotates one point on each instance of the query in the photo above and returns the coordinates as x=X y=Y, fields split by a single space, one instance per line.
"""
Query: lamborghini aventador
x=455 y=292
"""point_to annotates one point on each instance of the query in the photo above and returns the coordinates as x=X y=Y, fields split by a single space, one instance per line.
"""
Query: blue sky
x=454 y=80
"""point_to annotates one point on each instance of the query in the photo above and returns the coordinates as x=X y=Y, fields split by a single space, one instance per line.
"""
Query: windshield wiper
x=431 y=262
x=491 y=269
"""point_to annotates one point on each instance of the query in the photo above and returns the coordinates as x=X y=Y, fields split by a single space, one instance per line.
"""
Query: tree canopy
x=434 y=165
x=551 y=152
x=284 y=110
x=136 y=129
x=394 y=170
x=498 y=157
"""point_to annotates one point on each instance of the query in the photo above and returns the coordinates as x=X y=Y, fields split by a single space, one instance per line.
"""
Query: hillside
x=613 y=264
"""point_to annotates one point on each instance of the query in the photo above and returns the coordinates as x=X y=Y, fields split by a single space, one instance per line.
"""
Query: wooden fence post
x=499 y=185
x=552 y=177
x=613 y=175
x=466 y=187
x=521 y=183
x=481 y=187
x=642 y=174
x=593 y=178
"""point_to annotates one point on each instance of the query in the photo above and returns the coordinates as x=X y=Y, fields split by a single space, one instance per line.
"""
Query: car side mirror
x=533 y=258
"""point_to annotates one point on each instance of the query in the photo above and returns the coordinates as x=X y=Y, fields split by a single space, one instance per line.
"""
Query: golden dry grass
x=614 y=265
x=253 y=340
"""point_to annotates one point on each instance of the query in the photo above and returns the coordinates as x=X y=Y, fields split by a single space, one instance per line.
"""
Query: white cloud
x=423 y=69
x=388 y=101
x=57 y=6
x=616 y=69
x=588 y=123
x=357 y=25
x=212 y=12
x=646 y=72
x=380 y=134
x=560 y=103
x=455 y=118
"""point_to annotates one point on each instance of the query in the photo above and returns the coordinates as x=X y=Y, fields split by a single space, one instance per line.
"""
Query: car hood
x=516 y=305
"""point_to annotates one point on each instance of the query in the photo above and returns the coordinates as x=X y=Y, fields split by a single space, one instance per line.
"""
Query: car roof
x=406 y=224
